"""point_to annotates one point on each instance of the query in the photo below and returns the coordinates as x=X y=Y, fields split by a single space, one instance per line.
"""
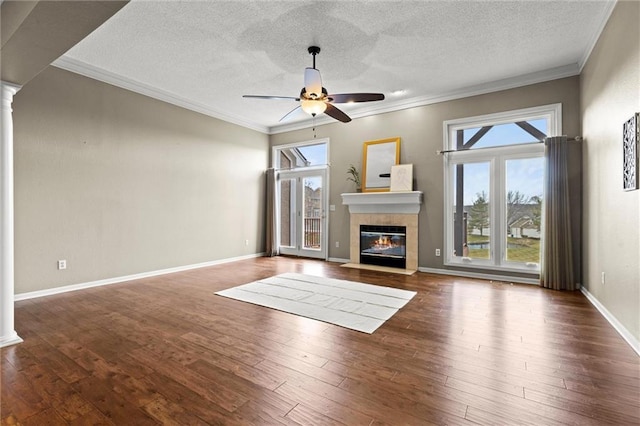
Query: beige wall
x=420 y=130
x=610 y=95
x=117 y=183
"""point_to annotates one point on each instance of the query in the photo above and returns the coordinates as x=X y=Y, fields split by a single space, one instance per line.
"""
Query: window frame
x=275 y=150
x=497 y=158
x=299 y=173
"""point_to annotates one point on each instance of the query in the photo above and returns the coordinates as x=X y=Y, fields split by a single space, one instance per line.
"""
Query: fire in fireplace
x=383 y=245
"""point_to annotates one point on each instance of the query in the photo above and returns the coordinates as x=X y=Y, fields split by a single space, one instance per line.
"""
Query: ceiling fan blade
x=336 y=113
x=312 y=83
x=344 y=98
x=271 y=97
x=296 y=112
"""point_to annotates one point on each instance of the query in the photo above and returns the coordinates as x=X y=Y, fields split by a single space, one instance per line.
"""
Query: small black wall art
x=631 y=134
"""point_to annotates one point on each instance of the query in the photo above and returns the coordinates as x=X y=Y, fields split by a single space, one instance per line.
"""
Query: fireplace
x=383 y=245
x=386 y=209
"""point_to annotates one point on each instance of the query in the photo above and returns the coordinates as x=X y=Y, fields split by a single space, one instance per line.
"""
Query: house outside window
x=494 y=172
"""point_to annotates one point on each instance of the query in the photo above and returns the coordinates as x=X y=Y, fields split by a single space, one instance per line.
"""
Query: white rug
x=358 y=306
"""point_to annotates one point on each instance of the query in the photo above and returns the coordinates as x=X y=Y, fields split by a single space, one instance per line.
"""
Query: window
x=305 y=154
x=494 y=188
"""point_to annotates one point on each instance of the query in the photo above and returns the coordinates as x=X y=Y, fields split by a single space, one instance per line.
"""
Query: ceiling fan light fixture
x=313 y=107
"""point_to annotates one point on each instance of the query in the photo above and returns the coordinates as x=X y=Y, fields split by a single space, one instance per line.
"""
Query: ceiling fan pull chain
x=313 y=118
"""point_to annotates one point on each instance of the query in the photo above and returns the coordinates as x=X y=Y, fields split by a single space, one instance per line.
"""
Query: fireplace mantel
x=383 y=202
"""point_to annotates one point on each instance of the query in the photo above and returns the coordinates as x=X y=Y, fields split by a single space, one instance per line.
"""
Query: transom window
x=494 y=188
x=301 y=155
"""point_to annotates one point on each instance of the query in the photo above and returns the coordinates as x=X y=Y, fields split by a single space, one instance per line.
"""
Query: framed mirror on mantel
x=377 y=158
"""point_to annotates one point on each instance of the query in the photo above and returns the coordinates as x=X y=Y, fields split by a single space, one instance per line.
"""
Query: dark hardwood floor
x=166 y=350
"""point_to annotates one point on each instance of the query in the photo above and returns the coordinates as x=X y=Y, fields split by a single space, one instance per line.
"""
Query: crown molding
x=596 y=36
x=82 y=68
x=99 y=74
x=481 y=89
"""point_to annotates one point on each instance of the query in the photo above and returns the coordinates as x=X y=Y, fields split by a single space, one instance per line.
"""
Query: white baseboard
x=81 y=286
x=466 y=274
x=621 y=329
x=491 y=277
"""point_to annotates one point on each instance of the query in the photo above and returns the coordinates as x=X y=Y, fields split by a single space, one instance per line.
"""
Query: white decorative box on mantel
x=383 y=202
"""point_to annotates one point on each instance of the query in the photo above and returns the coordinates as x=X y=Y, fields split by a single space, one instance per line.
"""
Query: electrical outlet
x=332 y=208
x=337 y=244
x=437 y=252
x=62 y=264
x=603 y=278
x=246 y=242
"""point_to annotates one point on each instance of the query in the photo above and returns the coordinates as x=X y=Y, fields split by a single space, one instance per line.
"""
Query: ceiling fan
x=314 y=99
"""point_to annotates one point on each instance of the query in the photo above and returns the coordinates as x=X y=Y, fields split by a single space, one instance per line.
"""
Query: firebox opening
x=383 y=245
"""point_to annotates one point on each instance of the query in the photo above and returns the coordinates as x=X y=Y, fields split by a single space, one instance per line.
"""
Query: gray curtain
x=271 y=216
x=558 y=269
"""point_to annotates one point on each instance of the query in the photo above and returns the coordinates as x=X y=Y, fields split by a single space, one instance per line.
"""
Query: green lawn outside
x=528 y=249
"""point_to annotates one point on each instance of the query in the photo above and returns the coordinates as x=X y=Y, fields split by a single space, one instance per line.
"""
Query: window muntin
x=511 y=205
x=509 y=134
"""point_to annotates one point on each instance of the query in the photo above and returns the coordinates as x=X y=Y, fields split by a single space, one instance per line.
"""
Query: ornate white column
x=8 y=335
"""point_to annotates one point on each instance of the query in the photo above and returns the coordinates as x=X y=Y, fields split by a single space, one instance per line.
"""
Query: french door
x=302 y=219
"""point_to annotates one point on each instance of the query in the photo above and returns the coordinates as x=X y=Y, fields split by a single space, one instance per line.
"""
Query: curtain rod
x=440 y=152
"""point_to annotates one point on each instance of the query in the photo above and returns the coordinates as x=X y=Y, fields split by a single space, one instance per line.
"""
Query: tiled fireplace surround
x=384 y=208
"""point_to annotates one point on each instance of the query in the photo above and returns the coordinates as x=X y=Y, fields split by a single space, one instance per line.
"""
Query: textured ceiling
x=206 y=54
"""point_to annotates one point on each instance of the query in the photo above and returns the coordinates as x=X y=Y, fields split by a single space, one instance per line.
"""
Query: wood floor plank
x=518 y=404
x=213 y=391
x=18 y=401
x=293 y=369
x=246 y=372
x=273 y=350
x=167 y=412
x=245 y=387
x=426 y=407
x=361 y=404
x=257 y=413
x=93 y=418
x=304 y=415
x=66 y=368
x=482 y=417
x=47 y=417
x=190 y=400
x=332 y=409
x=215 y=346
x=167 y=350
x=57 y=392
x=116 y=408
x=590 y=407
